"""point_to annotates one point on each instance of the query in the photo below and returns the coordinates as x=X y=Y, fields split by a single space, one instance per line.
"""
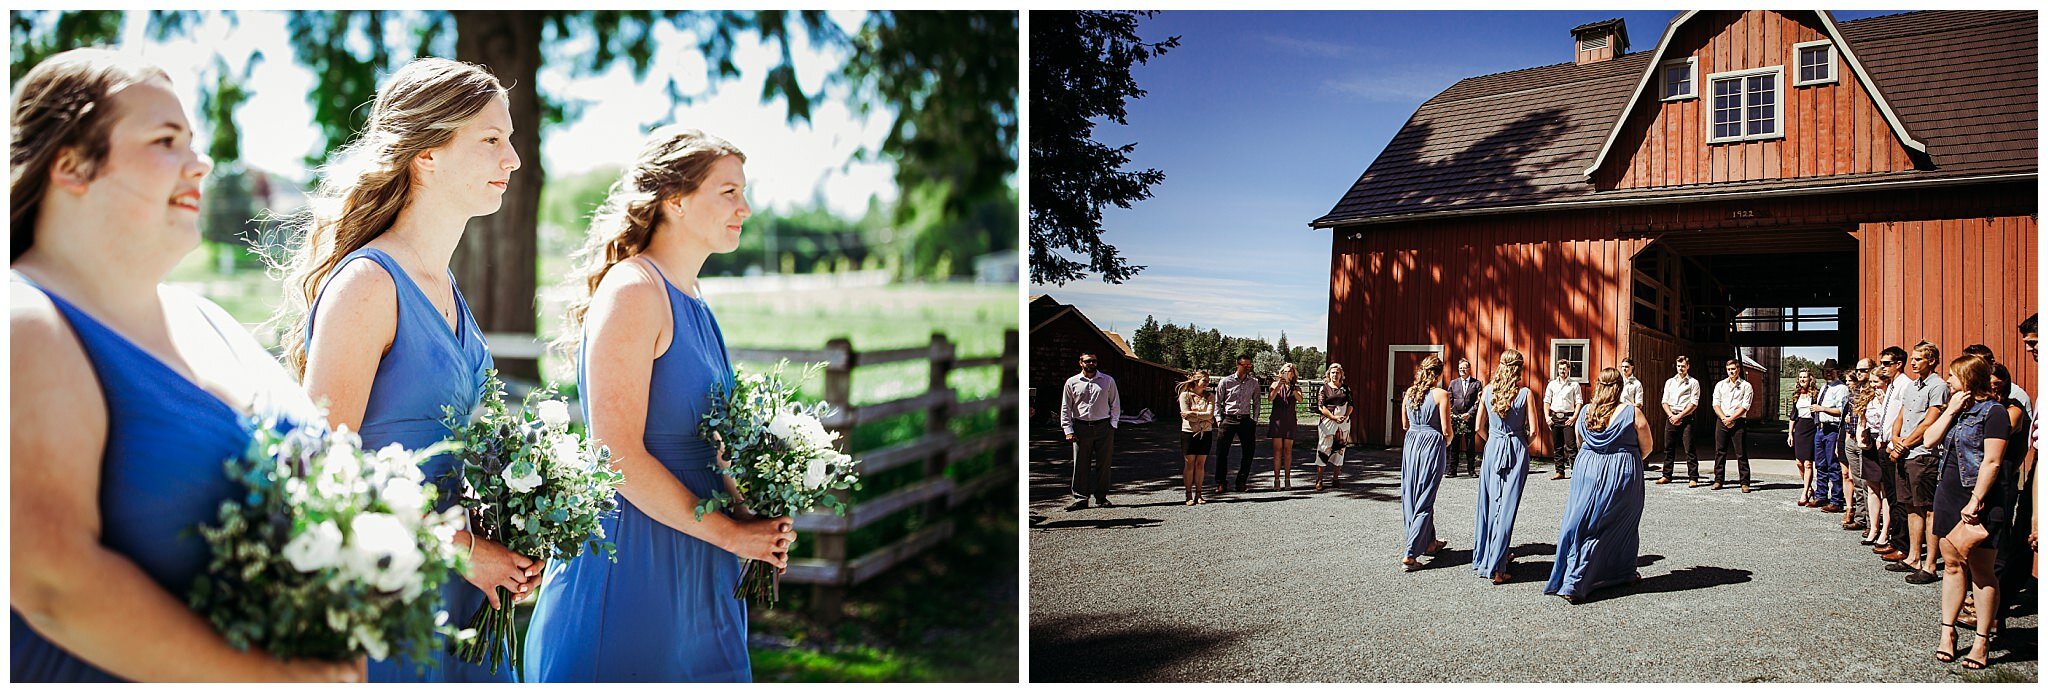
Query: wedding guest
x=1891 y=367
x=1561 y=403
x=127 y=394
x=1333 y=432
x=1597 y=545
x=1681 y=402
x=1198 y=432
x=2012 y=565
x=1237 y=410
x=1831 y=491
x=1732 y=399
x=1089 y=411
x=380 y=330
x=1971 y=513
x=1425 y=415
x=2019 y=394
x=649 y=357
x=1285 y=395
x=1505 y=425
x=1800 y=435
x=1858 y=446
x=1921 y=400
x=1464 y=391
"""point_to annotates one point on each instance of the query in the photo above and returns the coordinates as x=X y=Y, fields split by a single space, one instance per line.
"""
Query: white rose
x=318 y=547
x=404 y=496
x=783 y=426
x=814 y=473
x=385 y=552
x=567 y=454
x=554 y=414
x=522 y=483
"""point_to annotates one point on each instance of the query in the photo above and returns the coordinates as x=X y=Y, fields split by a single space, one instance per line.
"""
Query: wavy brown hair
x=367 y=182
x=674 y=162
x=1974 y=372
x=1505 y=374
x=1606 y=399
x=1427 y=375
x=63 y=103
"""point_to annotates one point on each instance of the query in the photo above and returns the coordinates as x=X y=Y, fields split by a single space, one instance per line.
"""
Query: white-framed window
x=1680 y=79
x=1748 y=105
x=1816 y=60
x=1572 y=352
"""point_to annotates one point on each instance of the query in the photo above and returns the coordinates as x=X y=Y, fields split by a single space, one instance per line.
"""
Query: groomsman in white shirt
x=1732 y=400
x=1089 y=408
x=1681 y=406
x=1561 y=402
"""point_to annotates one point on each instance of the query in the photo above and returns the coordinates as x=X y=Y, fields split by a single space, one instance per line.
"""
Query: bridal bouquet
x=779 y=456
x=331 y=552
x=535 y=487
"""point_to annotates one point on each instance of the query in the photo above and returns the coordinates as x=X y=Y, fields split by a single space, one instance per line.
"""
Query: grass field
x=949 y=615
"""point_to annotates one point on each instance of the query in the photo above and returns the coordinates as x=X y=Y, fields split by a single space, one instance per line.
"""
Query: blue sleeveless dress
x=160 y=474
x=1502 y=472
x=1603 y=511
x=1422 y=471
x=428 y=367
x=665 y=611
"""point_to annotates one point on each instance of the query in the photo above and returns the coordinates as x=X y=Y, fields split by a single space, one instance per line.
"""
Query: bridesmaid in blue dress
x=1504 y=468
x=127 y=395
x=1426 y=414
x=649 y=356
x=386 y=341
x=1604 y=509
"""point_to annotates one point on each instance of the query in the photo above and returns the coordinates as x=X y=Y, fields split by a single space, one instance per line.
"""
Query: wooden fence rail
x=832 y=571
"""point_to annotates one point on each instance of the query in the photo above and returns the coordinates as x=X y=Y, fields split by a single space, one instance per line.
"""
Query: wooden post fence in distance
x=939 y=404
x=827 y=599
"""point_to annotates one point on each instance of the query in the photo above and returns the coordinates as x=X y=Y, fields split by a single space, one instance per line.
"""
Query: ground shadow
x=1103 y=523
x=2015 y=644
x=1683 y=579
x=1446 y=558
x=1104 y=648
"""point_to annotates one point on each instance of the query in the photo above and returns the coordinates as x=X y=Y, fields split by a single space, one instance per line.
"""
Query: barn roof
x=1961 y=82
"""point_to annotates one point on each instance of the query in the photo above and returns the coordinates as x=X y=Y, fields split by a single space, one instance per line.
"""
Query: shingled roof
x=1962 y=82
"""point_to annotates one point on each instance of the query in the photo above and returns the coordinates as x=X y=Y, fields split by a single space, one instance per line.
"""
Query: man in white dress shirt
x=1561 y=400
x=1833 y=489
x=1681 y=408
x=1732 y=399
x=1089 y=408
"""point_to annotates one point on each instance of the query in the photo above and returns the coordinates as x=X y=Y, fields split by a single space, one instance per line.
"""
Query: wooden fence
x=832 y=571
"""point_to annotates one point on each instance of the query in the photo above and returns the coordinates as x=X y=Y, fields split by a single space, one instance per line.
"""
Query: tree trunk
x=497 y=260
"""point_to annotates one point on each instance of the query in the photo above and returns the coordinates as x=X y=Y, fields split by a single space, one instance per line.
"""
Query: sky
x=1261 y=121
x=786 y=165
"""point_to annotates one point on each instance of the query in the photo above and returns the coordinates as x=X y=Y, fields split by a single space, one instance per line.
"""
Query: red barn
x=1707 y=194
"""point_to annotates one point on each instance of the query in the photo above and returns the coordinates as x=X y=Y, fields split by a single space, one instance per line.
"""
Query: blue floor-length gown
x=160 y=470
x=1604 y=510
x=428 y=367
x=1503 y=470
x=1423 y=455
x=665 y=611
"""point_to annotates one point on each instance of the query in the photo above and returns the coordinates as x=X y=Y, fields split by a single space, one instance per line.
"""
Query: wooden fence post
x=828 y=599
x=937 y=414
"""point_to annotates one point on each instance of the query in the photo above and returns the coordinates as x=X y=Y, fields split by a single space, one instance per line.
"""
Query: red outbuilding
x=1757 y=179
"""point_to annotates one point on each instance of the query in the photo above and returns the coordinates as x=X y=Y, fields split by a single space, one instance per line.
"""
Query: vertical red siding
x=1954 y=282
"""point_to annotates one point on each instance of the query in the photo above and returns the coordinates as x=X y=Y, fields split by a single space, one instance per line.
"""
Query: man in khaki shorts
x=1921 y=400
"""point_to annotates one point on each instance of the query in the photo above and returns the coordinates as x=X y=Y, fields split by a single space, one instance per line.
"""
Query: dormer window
x=1816 y=63
x=1679 y=79
x=1747 y=104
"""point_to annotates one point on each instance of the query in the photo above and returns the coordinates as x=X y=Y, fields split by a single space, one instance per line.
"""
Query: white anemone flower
x=318 y=547
x=553 y=413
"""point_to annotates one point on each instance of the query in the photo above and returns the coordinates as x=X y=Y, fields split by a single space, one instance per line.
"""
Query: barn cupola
x=1599 y=41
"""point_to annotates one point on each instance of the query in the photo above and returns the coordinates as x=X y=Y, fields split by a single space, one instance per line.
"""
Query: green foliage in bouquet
x=332 y=552
x=778 y=454
x=537 y=488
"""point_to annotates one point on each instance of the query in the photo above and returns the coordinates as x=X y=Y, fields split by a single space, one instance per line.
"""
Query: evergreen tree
x=1145 y=341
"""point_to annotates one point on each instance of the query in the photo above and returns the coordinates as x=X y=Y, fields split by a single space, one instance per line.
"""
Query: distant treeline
x=1192 y=347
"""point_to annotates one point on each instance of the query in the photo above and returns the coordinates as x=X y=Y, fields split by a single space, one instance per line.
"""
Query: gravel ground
x=1306 y=586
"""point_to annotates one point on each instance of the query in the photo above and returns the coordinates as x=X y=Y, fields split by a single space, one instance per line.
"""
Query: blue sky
x=1261 y=121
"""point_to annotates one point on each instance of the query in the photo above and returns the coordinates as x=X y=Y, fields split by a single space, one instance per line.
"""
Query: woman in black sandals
x=1333 y=433
x=1285 y=395
x=1198 y=432
x=1971 y=514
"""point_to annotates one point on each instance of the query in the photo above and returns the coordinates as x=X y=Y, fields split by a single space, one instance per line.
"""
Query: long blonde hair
x=64 y=102
x=1606 y=398
x=1505 y=375
x=1193 y=381
x=367 y=183
x=1427 y=374
x=673 y=162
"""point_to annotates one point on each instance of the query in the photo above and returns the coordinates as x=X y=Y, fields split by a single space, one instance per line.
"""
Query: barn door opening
x=1755 y=295
x=1401 y=362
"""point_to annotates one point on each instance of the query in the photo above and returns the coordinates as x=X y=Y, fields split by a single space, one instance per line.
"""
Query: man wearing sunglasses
x=1891 y=366
x=1089 y=408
